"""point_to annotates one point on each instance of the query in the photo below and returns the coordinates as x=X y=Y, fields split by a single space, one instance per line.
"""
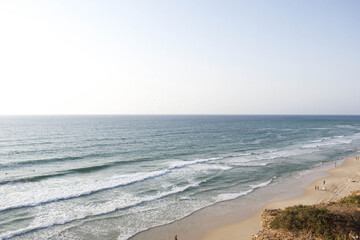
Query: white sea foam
x=329 y=142
x=181 y=164
x=260 y=185
x=347 y=126
x=305 y=173
x=244 y=154
x=249 y=164
x=33 y=194
x=268 y=156
x=229 y=196
x=47 y=218
x=211 y=167
x=319 y=164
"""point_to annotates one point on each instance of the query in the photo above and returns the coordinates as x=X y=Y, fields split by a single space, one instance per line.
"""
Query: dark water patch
x=54 y=160
x=32 y=179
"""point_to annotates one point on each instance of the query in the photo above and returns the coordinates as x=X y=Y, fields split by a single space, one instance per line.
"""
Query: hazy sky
x=180 y=57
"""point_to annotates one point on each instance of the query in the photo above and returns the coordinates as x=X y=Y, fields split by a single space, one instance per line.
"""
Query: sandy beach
x=343 y=180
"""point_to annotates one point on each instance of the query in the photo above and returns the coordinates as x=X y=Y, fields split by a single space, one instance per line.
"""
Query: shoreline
x=342 y=181
x=202 y=224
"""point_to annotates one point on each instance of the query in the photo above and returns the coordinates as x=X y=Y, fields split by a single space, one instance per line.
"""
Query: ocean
x=113 y=176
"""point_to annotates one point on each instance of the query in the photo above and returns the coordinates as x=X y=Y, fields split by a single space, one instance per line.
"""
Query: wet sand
x=343 y=180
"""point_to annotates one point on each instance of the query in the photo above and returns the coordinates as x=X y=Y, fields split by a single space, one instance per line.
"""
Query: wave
x=243 y=154
x=230 y=196
x=249 y=164
x=318 y=164
x=97 y=142
x=268 y=154
x=177 y=165
x=347 y=126
x=58 y=174
x=211 y=167
x=309 y=147
x=175 y=190
x=74 y=189
x=23 y=144
x=78 y=188
x=71 y=158
x=296 y=150
x=181 y=164
x=61 y=173
x=263 y=184
x=51 y=160
x=32 y=179
x=88 y=169
x=328 y=142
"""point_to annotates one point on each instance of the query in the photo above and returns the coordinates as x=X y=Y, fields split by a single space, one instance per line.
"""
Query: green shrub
x=353 y=200
x=308 y=218
x=335 y=221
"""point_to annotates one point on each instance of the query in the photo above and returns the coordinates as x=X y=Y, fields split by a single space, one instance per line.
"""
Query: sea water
x=110 y=177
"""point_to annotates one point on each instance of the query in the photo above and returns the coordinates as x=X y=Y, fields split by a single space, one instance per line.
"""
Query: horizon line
x=175 y=114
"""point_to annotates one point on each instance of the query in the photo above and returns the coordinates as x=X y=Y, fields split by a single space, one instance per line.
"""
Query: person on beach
x=335 y=164
x=324 y=182
x=176 y=237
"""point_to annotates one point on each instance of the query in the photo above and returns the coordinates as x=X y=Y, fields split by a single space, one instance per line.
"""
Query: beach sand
x=343 y=180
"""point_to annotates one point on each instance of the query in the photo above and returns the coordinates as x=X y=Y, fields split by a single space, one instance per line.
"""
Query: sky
x=179 y=57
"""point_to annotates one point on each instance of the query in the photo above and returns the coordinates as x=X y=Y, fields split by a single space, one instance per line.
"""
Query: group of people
x=318 y=187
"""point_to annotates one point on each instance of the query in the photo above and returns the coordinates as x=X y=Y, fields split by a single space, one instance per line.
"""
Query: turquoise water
x=110 y=177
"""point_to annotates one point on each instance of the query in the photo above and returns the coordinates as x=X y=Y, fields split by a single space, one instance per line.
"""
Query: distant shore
x=343 y=180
